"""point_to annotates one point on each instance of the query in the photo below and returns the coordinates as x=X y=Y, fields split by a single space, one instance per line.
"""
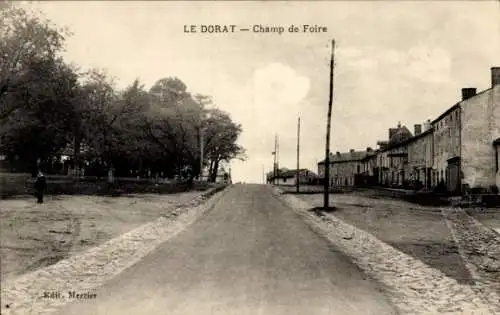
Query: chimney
x=418 y=129
x=495 y=76
x=427 y=125
x=351 y=150
x=468 y=93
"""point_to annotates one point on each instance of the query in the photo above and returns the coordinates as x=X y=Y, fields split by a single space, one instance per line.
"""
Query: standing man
x=40 y=186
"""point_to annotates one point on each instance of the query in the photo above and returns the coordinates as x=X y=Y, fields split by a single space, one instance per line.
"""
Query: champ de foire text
x=256 y=28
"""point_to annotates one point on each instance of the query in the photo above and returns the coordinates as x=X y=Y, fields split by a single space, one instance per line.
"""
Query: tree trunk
x=210 y=168
x=214 y=171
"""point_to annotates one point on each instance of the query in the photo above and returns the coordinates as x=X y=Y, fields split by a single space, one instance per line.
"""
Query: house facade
x=345 y=168
x=369 y=168
x=460 y=149
x=480 y=131
x=392 y=157
x=446 y=147
x=465 y=140
x=420 y=157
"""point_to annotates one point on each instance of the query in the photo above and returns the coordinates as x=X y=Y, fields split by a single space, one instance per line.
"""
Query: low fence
x=12 y=184
x=424 y=198
x=484 y=200
x=315 y=189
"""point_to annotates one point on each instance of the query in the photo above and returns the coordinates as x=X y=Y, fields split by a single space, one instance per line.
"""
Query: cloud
x=278 y=84
x=268 y=102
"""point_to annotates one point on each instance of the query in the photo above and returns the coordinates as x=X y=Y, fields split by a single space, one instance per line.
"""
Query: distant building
x=369 y=168
x=289 y=177
x=396 y=170
x=345 y=168
x=222 y=176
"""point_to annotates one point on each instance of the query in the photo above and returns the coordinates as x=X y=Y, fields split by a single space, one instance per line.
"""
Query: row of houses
x=459 y=150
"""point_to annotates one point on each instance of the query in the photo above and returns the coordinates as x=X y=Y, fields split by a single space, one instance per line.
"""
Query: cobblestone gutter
x=480 y=246
x=85 y=272
x=413 y=287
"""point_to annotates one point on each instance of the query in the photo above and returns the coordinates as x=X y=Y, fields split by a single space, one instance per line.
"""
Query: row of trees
x=49 y=108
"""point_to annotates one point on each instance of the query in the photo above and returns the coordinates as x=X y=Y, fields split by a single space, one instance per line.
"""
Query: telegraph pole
x=263 y=175
x=277 y=157
x=275 y=153
x=201 y=154
x=298 y=155
x=326 y=202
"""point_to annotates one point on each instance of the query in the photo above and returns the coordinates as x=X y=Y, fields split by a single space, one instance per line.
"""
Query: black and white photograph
x=250 y=157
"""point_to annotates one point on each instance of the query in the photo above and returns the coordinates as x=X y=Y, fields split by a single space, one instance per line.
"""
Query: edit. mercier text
x=71 y=295
x=81 y=295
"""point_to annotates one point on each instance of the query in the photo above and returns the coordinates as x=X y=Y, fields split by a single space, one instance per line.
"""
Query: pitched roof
x=446 y=112
x=428 y=131
x=346 y=157
x=400 y=135
x=369 y=155
x=458 y=104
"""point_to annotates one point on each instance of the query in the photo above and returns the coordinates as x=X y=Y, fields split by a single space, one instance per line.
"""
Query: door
x=453 y=175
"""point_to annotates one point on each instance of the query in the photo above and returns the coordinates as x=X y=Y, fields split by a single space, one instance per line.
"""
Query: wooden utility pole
x=201 y=154
x=274 y=161
x=326 y=202
x=263 y=175
x=278 y=155
x=298 y=156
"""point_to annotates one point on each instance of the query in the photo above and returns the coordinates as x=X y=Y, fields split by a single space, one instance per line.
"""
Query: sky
x=395 y=61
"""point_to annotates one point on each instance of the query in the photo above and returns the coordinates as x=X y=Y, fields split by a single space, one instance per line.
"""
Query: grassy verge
x=19 y=185
x=38 y=235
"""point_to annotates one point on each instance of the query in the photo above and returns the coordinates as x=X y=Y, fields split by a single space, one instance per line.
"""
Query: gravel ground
x=37 y=235
x=85 y=272
x=413 y=286
x=489 y=217
x=480 y=245
x=420 y=232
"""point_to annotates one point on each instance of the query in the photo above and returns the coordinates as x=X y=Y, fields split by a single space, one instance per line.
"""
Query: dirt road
x=248 y=255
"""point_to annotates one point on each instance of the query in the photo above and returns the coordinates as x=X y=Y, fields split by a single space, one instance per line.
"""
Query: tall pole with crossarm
x=274 y=156
x=201 y=153
x=326 y=202
x=298 y=156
